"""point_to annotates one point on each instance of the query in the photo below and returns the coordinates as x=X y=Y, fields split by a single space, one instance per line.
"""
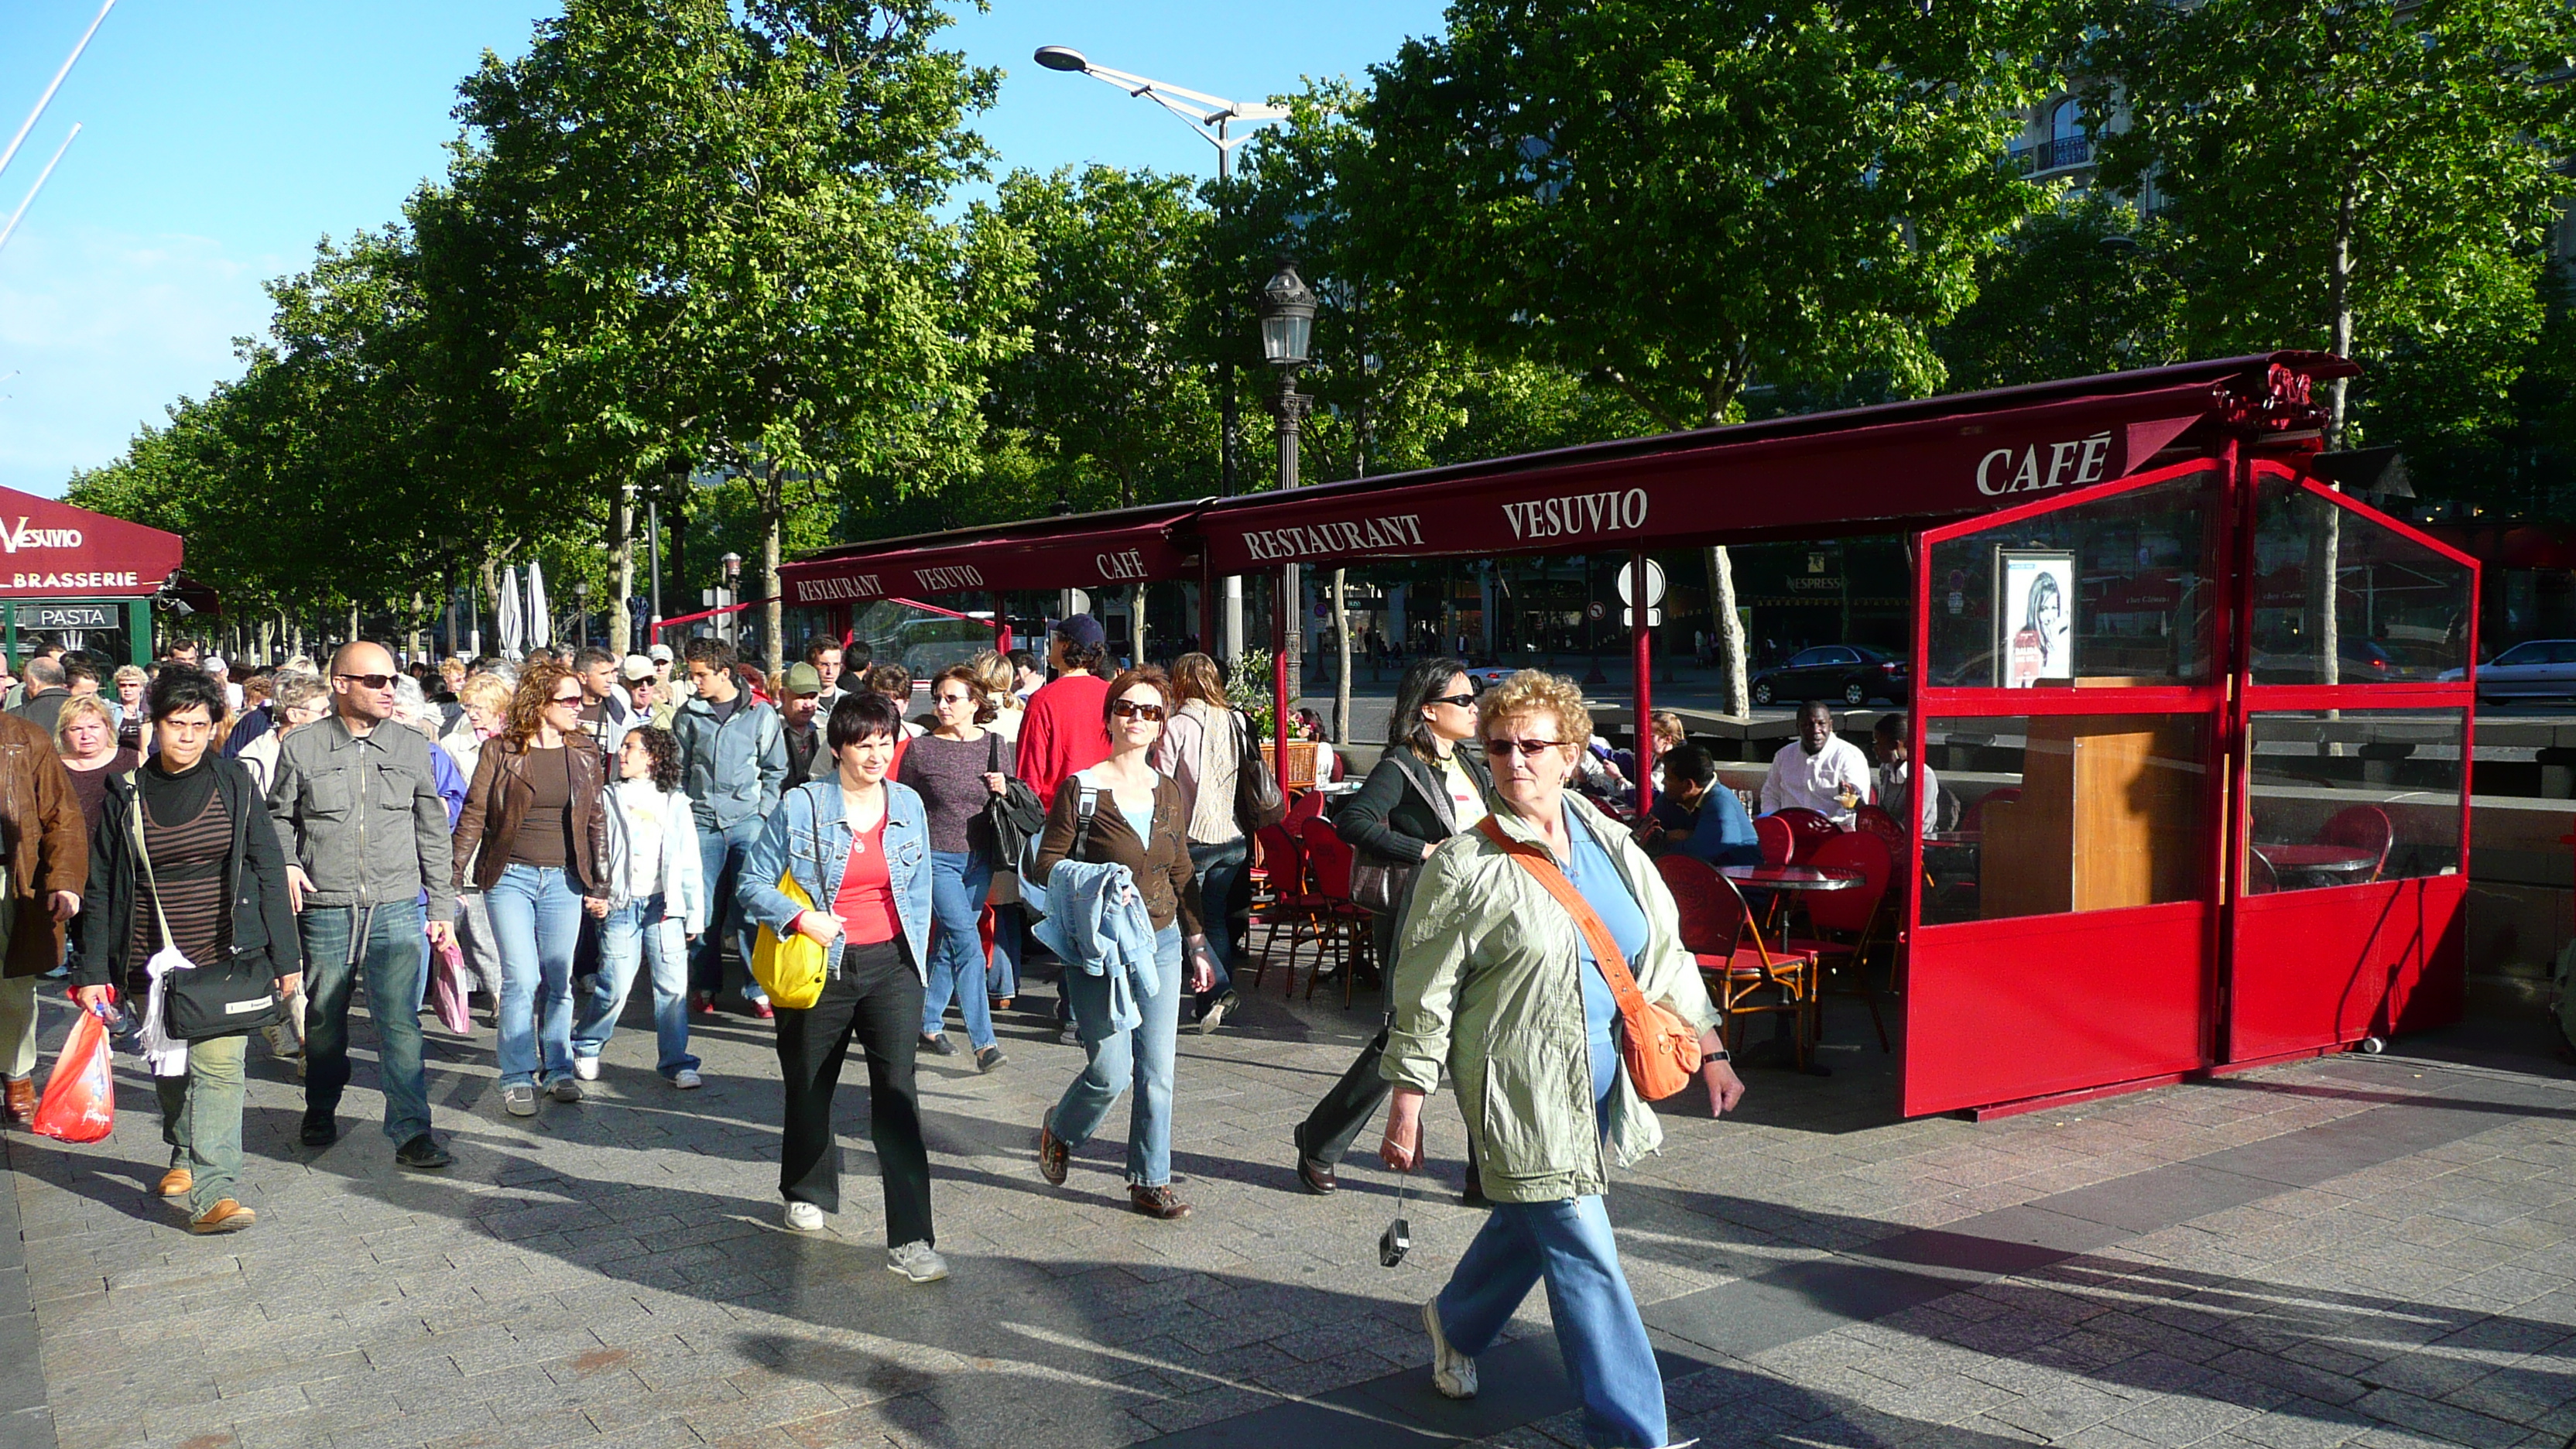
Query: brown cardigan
x=1163 y=873
x=499 y=799
x=47 y=841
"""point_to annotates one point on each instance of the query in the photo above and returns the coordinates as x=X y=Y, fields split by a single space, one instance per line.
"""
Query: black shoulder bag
x=236 y=992
x=1258 y=805
x=1015 y=817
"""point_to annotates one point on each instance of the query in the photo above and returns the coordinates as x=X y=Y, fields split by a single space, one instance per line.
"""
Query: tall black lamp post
x=581 y=613
x=1287 y=308
x=732 y=595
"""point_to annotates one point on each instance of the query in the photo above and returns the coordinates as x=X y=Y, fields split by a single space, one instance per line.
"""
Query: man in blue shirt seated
x=1699 y=817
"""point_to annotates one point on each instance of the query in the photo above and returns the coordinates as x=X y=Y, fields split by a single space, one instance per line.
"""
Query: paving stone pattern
x=2370 y=1251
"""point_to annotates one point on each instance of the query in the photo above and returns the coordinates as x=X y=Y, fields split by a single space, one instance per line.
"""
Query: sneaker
x=764 y=1011
x=520 y=1101
x=701 y=1004
x=1452 y=1372
x=320 y=1130
x=226 y=1216
x=1068 y=1036
x=177 y=1182
x=564 y=1089
x=281 y=1041
x=917 y=1261
x=1054 y=1158
x=1002 y=1003
x=1214 y=1016
x=937 y=1044
x=804 y=1217
x=423 y=1154
x=586 y=1068
x=687 y=1079
x=987 y=1058
x=1160 y=1203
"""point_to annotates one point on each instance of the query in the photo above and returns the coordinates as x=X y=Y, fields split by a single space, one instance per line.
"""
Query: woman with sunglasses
x=957 y=769
x=1124 y=813
x=1501 y=989
x=1423 y=790
x=857 y=845
x=536 y=829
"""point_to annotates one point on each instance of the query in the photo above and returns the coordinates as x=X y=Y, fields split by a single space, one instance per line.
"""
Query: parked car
x=2291 y=662
x=1852 y=673
x=1486 y=676
x=2533 y=669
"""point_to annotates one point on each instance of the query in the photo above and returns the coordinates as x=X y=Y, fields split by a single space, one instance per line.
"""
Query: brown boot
x=21 y=1105
x=1054 y=1158
x=177 y=1182
x=226 y=1216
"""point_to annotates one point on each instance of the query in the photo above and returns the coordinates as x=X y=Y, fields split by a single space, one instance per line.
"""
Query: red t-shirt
x=865 y=903
x=1063 y=731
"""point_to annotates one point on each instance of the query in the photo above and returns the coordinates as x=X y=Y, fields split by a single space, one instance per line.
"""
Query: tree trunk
x=2326 y=554
x=621 y=543
x=773 y=526
x=1727 y=627
x=1136 y=622
x=1342 y=657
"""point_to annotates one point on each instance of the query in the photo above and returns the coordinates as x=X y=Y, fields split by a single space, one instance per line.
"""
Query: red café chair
x=1875 y=821
x=1807 y=831
x=1333 y=919
x=1282 y=897
x=2361 y=827
x=1777 y=840
x=1974 y=817
x=1849 y=923
x=1716 y=927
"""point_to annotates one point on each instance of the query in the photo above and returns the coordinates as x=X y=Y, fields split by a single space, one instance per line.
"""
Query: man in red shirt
x=1066 y=727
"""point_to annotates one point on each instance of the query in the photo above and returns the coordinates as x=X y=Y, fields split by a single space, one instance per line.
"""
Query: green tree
x=2075 y=291
x=2371 y=179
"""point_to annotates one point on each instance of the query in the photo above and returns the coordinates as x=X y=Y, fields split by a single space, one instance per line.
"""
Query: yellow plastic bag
x=790 y=968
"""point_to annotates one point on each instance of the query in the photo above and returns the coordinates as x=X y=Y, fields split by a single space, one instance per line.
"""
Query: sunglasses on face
x=573 y=698
x=1462 y=701
x=1130 y=709
x=1504 y=749
x=371 y=681
x=956 y=699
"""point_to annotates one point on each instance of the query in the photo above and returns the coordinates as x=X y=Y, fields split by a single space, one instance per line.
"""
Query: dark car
x=1852 y=673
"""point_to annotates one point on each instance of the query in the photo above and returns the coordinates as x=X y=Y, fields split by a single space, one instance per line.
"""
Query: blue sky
x=220 y=141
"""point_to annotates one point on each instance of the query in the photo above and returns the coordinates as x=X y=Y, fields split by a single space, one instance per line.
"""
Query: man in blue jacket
x=733 y=763
x=1698 y=817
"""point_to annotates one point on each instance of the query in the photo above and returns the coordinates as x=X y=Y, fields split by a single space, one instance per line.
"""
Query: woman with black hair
x=657 y=902
x=186 y=859
x=858 y=845
x=1423 y=790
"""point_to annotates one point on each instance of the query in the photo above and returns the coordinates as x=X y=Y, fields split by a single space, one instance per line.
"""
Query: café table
x=1792 y=877
x=2287 y=858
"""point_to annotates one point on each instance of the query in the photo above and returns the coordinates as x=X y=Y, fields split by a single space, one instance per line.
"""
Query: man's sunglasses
x=1130 y=709
x=1503 y=749
x=371 y=681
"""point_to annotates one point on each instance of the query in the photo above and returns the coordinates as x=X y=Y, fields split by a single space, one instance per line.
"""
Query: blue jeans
x=720 y=856
x=638 y=930
x=958 y=881
x=1217 y=867
x=537 y=915
x=1002 y=973
x=1597 y=1328
x=1143 y=1054
x=386 y=943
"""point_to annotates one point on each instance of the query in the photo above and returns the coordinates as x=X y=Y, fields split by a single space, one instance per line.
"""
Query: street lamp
x=1210 y=116
x=732 y=594
x=1287 y=309
x=581 y=613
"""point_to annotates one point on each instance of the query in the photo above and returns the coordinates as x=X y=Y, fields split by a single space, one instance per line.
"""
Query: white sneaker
x=1452 y=1372
x=804 y=1217
x=520 y=1101
x=565 y=1089
x=917 y=1261
x=687 y=1079
x=586 y=1068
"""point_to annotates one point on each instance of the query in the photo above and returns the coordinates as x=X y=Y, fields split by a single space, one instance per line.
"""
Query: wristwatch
x=1719 y=1055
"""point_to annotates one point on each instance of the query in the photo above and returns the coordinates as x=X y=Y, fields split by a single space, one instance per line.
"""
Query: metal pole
x=1642 y=640
x=48 y=97
x=1230 y=641
x=653 y=526
x=1284 y=626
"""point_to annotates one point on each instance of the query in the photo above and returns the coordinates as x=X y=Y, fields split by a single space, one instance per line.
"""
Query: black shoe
x=423 y=1153
x=320 y=1130
x=990 y=1057
x=1316 y=1174
x=1473 y=1195
x=938 y=1044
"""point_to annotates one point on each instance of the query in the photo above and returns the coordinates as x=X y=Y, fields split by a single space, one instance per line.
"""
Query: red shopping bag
x=80 y=1097
x=447 y=989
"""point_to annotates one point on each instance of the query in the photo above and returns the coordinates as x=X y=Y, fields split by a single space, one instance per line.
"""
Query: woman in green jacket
x=1500 y=986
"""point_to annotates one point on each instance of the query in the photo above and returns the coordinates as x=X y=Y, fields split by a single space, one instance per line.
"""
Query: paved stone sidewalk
x=2365 y=1250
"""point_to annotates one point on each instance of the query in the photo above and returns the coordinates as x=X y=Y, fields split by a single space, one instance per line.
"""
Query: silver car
x=2534 y=669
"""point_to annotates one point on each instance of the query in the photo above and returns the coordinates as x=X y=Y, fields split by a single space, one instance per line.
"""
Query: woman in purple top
x=957 y=769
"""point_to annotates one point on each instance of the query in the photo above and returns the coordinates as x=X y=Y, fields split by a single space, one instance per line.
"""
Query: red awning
x=1095 y=551
x=53 y=550
x=1859 y=479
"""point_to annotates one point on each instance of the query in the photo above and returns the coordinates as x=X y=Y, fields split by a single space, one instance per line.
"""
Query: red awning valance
x=1099 y=551
x=49 y=549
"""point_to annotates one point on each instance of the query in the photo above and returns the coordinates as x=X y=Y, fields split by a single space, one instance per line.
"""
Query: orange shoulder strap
x=1605 y=947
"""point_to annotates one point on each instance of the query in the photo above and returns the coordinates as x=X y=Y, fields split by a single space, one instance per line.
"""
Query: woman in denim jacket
x=859 y=847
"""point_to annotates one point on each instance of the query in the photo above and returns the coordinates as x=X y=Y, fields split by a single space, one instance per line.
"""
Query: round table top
x=1954 y=837
x=1793 y=877
x=2339 y=859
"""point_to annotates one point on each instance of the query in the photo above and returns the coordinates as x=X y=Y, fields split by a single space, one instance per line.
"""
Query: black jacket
x=1404 y=806
x=263 y=924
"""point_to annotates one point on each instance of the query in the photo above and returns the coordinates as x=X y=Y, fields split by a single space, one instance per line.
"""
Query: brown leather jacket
x=47 y=842
x=499 y=800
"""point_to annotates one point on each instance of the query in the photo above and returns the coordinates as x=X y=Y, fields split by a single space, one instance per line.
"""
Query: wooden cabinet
x=2109 y=816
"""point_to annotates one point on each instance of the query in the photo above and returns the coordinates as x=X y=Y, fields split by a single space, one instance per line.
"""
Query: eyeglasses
x=1130 y=709
x=1462 y=701
x=1504 y=749
x=956 y=699
x=573 y=698
x=371 y=681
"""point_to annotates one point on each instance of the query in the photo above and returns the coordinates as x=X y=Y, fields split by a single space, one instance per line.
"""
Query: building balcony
x=2055 y=154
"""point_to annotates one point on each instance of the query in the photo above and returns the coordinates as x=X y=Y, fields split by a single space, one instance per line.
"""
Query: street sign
x=1654 y=583
x=1628 y=618
x=1596 y=611
x=68 y=616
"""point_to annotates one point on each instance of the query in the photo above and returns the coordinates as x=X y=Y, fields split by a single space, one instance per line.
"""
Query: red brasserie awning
x=1101 y=550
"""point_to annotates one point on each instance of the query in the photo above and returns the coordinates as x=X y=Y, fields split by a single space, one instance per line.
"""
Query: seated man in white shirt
x=1817 y=771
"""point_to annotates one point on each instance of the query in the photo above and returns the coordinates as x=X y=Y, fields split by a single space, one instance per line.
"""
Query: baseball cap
x=1081 y=630
x=661 y=654
x=804 y=679
x=635 y=666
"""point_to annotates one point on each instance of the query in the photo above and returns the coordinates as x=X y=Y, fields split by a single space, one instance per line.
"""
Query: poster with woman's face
x=2034 y=618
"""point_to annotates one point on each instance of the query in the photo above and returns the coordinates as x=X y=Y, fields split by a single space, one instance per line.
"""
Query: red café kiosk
x=2215 y=791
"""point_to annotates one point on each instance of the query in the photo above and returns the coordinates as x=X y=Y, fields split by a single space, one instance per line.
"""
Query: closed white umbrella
x=540 y=626
x=506 y=612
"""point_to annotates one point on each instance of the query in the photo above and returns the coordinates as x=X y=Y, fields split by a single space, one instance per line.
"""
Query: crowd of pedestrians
x=223 y=861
